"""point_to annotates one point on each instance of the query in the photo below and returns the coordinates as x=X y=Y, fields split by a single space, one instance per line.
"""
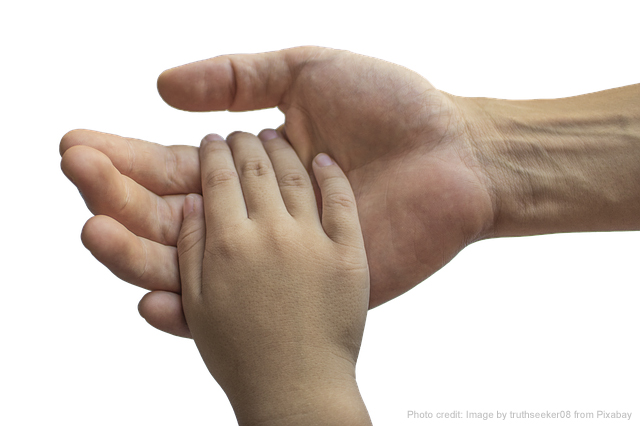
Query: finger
x=163 y=310
x=191 y=243
x=339 y=213
x=293 y=180
x=235 y=82
x=107 y=192
x=283 y=134
x=164 y=170
x=257 y=178
x=136 y=260
x=223 y=201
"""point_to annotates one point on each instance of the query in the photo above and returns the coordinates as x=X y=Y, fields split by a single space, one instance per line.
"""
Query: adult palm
x=406 y=148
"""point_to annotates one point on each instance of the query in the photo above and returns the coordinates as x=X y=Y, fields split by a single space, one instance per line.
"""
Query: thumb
x=191 y=244
x=234 y=82
x=339 y=213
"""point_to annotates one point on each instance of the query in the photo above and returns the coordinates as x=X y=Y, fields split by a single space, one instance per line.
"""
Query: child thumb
x=191 y=244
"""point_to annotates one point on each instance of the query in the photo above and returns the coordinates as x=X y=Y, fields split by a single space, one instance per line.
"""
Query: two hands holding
x=275 y=290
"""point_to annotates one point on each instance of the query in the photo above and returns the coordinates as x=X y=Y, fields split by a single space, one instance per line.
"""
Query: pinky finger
x=339 y=213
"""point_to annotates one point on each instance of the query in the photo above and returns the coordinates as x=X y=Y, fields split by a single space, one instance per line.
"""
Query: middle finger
x=259 y=184
x=107 y=192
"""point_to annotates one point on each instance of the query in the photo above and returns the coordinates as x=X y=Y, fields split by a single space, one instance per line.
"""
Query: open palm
x=404 y=146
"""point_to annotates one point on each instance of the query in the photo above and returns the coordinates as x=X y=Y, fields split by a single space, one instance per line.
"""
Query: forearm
x=560 y=165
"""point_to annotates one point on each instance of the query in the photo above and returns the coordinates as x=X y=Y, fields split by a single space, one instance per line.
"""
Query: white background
x=536 y=323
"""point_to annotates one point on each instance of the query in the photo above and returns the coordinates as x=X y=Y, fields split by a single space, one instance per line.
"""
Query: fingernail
x=267 y=134
x=212 y=137
x=189 y=203
x=323 y=160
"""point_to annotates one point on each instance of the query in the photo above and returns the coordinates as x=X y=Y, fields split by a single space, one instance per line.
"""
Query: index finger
x=221 y=190
x=164 y=170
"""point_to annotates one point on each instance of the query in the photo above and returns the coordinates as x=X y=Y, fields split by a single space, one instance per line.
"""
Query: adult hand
x=405 y=147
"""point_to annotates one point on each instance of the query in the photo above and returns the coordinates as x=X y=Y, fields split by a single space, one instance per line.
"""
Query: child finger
x=221 y=190
x=293 y=179
x=259 y=185
x=191 y=246
x=339 y=213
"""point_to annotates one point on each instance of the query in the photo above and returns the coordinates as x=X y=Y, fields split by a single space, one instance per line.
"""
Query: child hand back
x=275 y=297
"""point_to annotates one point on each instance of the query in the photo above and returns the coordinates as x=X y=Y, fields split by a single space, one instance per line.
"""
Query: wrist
x=312 y=401
x=294 y=385
x=560 y=165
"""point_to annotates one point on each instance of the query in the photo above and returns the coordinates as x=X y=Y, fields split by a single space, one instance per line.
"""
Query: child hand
x=275 y=298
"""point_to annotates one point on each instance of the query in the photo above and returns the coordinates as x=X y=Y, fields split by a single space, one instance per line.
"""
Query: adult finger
x=235 y=82
x=107 y=192
x=191 y=244
x=257 y=178
x=293 y=180
x=136 y=260
x=163 y=170
x=339 y=213
x=163 y=310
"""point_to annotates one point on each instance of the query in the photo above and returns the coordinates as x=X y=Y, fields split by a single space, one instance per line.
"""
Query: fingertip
x=98 y=235
x=143 y=305
x=162 y=84
x=211 y=137
x=281 y=131
x=267 y=134
x=339 y=212
x=67 y=141
x=93 y=173
x=163 y=310
x=323 y=160
x=206 y=85
x=163 y=76
x=203 y=152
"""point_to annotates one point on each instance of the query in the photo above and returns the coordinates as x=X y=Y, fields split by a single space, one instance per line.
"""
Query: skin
x=431 y=172
x=410 y=230
x=275 y=297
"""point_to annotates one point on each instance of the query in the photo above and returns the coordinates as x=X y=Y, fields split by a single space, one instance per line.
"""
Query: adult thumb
x=191 y=245
x=235 y=82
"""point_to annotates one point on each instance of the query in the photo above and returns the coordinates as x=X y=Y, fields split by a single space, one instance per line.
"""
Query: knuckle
x=294 y=179
x=228 y=241
x=257 y=167
x=224 y=248
x=215 y=178
x=126 y=202
x=189 y=239
x=170 y=167
x=340 y=199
